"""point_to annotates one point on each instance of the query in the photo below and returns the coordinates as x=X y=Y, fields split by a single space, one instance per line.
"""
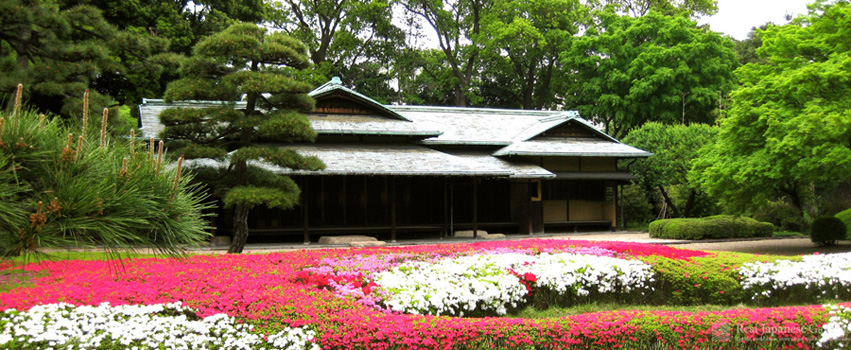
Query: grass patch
x=557 y=312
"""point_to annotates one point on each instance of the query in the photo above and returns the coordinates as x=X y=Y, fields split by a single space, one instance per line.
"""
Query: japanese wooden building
x=414 y=171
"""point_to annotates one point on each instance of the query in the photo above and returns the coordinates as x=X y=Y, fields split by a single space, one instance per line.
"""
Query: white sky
x=737 y=17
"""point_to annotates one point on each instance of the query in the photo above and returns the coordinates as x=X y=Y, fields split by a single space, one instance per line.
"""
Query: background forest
x=760 y=127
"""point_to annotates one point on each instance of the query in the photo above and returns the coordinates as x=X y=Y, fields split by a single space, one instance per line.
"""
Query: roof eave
x=573 y=154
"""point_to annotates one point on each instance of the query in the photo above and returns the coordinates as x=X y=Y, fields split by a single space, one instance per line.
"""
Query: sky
x=737 y=17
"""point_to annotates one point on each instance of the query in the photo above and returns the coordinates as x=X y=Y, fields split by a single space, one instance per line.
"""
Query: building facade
x=415 y=171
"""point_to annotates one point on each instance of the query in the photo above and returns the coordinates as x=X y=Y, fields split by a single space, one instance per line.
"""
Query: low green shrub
x=720 y=226
x=696 y=281
x=845 y=216
x=827 y=230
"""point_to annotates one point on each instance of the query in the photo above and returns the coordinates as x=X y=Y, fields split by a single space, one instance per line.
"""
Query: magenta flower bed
x=268 y=291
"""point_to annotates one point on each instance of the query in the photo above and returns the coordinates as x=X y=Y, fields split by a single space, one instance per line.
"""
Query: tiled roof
x=150 y=109
x=519 y=168
x=365 y=125
x=472 y=126
x=573 y=148
x=380 y=159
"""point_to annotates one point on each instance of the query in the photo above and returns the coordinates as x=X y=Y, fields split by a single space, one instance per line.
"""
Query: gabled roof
x=335 y=87
x=546 y=124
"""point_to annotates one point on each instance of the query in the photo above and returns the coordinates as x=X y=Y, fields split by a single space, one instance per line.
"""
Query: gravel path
x=774 y=246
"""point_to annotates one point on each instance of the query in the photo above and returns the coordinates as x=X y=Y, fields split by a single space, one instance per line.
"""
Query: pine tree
x=56 y=52
x=244 y=60
x=70 y=185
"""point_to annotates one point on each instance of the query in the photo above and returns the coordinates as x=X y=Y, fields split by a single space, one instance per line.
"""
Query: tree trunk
x=669 y=202
x=692 y=196
x=240 y=229
x=460 y=97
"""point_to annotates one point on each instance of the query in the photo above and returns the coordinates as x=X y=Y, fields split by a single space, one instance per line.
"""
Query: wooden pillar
x=393 y=209
x=305 y=204
x=445 y=229
x=475 y=209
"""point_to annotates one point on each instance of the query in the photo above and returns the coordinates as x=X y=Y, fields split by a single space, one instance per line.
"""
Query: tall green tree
x=352 y=39
x=244 y=60
x=156 y=36
x=57 y=52
x=522 y=41
x=457 y=24
x=638 y=8
x=674 y=148
x=629 y=71
x=788 y=133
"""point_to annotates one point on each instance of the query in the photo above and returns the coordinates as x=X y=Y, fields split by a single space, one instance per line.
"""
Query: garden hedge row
x=845 y=216
x=713 y=227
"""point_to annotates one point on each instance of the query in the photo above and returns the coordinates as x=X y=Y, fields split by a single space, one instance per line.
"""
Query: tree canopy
x=244 y=60
x=788 y=133
x=630 y=71
x=674 y=147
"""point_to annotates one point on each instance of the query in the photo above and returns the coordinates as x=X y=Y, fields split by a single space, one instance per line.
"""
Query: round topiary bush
x=826 y=230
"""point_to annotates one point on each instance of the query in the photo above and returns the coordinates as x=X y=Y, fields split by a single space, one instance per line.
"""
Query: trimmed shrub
x=845 y=216
x=695 y=281
x=827 y=230
x=713 y=227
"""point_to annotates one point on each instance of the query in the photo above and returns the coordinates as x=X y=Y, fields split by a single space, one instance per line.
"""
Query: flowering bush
x=268 y=292
x=814 y=277
x=171 y=326
x=498 y=282
x=837 y=330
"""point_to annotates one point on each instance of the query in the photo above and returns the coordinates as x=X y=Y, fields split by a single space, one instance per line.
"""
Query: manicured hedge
x=721 y=226
x=845 y=216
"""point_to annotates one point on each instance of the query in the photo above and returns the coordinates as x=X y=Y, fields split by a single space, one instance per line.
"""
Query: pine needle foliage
x=64 y=186
x=244 y=61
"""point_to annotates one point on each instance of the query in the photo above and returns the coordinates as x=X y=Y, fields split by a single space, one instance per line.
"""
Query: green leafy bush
x=827 y=230
x=696 y=281
x=845 y=216
x=720 y=226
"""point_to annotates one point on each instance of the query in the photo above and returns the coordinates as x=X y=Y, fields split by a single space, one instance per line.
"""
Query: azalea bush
x=324 y=291
x=813 y=278
x=142 y=327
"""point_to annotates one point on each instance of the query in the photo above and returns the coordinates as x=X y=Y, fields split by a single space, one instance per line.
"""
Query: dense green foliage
x=244 y=60
x=665 y=174
x=788 y=133
x=845 y=216
x=785 y=216
x=354 y=40
x=826 y=230
x=713 y=227
x=58 y=50
x=63 y=187
x=631 y=71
